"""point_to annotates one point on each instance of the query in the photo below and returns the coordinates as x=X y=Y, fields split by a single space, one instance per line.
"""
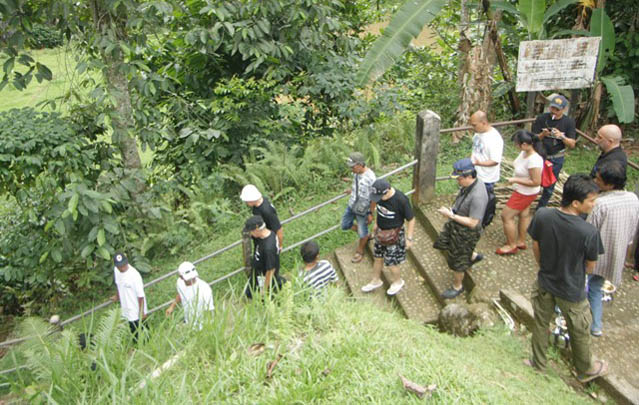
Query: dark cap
x=378 y=189
x=463 y=167
x=355 y=158
x=253 y=223
x=119 y=259
x=558 y=101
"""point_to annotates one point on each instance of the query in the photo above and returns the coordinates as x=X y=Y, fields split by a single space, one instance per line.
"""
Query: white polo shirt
x=130 y=288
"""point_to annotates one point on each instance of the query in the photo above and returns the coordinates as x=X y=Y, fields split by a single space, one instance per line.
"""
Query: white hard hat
x=250 y=193
x=187 y=271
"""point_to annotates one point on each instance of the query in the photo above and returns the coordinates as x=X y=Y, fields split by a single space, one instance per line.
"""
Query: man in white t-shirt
x=130 y=293
x=194 y=294
x=488 y=148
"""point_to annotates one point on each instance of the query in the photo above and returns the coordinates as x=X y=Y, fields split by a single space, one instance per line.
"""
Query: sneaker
x=478 y=258
x=596 y=332
x=372 y=286
x=395 y=287
x=452 y=292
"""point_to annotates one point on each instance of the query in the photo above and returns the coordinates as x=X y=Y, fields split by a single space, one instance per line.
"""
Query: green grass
x=62 y=65
x=337 y=350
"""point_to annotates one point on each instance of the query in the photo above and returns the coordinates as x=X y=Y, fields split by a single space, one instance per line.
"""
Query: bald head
x=608 y=137
x=479 y=121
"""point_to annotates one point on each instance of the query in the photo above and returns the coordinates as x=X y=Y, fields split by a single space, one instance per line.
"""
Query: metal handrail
x=238 y=242
x=237 y=271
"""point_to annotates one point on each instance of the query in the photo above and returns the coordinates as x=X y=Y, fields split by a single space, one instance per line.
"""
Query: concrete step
x=517 y=272
x=431 y=264
x=357 y=275
x=416 y=299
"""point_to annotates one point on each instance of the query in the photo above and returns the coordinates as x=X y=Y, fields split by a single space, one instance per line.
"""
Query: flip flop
x=357 y=258
x=522 y=247
x=503 y=252
x=601 y=371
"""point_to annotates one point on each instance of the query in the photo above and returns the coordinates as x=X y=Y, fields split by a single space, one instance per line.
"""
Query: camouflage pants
x=459 y=242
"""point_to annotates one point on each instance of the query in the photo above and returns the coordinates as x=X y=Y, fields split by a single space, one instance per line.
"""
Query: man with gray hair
x=360 y=207
x=609 y=141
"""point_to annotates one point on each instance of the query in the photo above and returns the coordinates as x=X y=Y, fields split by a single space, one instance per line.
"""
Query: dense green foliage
x=332 y=350
x=44 y=36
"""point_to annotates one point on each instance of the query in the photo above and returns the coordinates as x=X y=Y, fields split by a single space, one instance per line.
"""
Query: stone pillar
x=247 y=252
x=426 y=149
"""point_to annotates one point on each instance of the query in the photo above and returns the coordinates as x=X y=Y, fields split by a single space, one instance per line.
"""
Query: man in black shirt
x=609 y=141
x=262 y=206
x=391 y=241
x=266 y=257
x=557 y=132
x=566 y=248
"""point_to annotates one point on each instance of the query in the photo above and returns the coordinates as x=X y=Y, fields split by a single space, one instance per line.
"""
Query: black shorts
x=393 y=254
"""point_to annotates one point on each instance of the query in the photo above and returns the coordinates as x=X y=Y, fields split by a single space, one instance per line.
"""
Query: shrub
x=44 y=36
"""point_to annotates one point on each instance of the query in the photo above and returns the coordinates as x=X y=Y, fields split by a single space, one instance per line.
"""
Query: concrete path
x=427 y=276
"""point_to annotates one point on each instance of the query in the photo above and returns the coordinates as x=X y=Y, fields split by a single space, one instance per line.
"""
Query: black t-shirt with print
x=393 y=212
x=266 y=254
x=565 y=243
x=564 y=124
x=268 y=213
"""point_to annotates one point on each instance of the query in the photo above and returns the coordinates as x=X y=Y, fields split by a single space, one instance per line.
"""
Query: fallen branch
x=417 y=389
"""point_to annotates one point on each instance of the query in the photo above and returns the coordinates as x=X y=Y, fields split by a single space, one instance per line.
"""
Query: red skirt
x=520 y=202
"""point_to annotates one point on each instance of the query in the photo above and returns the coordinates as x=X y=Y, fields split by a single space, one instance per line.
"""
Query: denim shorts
x=349 y=218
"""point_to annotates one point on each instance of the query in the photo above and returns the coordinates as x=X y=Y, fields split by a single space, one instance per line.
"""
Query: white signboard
x=557 y=64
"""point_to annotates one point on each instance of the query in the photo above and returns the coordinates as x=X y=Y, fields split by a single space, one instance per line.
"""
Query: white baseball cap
x=250 y=193
x=187 y=271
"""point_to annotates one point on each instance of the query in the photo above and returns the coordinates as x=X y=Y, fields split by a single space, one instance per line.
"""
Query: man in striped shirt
x=615 y=215
x=316 y=273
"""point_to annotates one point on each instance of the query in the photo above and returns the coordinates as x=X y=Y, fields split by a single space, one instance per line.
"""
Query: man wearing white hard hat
x=261 y=206
x=194 y=294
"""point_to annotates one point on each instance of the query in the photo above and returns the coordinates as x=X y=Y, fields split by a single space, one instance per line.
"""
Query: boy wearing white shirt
x=130 y=293
x=194 y=294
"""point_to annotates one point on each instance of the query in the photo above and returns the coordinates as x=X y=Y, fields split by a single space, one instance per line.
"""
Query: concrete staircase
x=427 y=275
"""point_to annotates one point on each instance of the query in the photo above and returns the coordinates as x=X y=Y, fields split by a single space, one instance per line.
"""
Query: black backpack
x=491 y=208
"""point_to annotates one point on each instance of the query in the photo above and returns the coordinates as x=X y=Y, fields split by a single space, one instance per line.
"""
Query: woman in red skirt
x=526 y=186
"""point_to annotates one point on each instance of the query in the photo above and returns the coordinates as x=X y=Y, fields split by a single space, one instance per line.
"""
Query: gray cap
x=355 y=158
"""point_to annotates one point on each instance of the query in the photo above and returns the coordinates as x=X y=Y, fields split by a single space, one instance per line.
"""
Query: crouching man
x=566 y=248
x=194 y=294
x=463 y=228
x=391 y=240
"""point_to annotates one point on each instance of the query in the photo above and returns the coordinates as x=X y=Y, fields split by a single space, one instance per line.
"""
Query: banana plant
x=407 y=22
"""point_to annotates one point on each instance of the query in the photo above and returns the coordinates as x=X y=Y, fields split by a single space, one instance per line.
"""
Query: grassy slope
x=62 y=66
x=334 y=351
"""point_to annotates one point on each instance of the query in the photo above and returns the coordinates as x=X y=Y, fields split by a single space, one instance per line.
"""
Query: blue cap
x=463 y=167
x=559 y=101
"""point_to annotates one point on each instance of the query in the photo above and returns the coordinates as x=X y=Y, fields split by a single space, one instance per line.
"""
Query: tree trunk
x=113 y=28
x=476 y=84
x=515 y=106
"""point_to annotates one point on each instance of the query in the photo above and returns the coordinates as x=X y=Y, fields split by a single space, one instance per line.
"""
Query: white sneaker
x=395 y=287
x=372 y=286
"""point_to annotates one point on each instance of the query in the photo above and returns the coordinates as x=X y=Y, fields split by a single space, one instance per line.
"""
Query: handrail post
x=246 y=252
x=426 y=149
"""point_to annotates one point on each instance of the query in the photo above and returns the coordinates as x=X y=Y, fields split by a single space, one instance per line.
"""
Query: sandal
x=504 y=252
x=601 y=371
x=522 y=246
x=357 y=258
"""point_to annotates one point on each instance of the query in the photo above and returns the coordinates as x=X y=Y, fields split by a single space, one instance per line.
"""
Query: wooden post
x=426 y=149
x=247 y=252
